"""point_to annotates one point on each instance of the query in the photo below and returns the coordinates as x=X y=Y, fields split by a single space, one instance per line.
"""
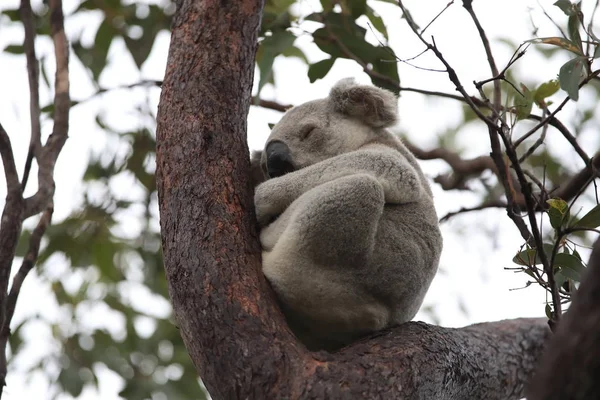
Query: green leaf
x=558 y=212
x=14 y=49
x=597 y=52
x=573 y=26
x=293 y=51
x=357 y=7
x=104 y=37
x=560 y=278
x=319 y=69
x=69 y=379
x=590 y=220
x=565 y=5
x=376 y=21
x=548 y=311
x=570 y=266
x=530 y=257
x=546 y=90
x=268 y=49
x=570 y=76
x=523 y=103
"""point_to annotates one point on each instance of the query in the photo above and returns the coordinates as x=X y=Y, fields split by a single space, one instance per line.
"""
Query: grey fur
x=350 y=238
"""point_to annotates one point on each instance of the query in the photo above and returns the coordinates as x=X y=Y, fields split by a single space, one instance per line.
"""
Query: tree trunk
x=227 y=314
x=570 y=369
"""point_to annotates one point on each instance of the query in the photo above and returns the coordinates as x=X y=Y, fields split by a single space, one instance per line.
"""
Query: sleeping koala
x=349 y=234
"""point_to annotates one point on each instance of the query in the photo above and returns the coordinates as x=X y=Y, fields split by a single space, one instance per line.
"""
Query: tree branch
x=33 y=73
x=28 y=263
x=10 y=231
x=47 y=160
x=8 y=161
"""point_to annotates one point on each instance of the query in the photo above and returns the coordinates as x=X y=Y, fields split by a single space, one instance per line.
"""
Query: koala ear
x=374 y=106
x=257 y=176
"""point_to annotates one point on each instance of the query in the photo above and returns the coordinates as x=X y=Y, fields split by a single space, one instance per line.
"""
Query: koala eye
x=307 y=131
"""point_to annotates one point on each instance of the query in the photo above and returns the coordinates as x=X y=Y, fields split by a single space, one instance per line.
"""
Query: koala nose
x=279 y=159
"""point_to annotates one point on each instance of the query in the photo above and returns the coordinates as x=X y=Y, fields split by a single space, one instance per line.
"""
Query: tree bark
x=227 y=314
x=570 y=369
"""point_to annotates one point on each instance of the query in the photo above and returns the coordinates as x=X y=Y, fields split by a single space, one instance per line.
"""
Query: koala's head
x=351 y=116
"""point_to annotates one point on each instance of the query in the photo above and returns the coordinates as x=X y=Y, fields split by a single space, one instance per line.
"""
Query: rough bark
x=570 y=369
x=226 y=312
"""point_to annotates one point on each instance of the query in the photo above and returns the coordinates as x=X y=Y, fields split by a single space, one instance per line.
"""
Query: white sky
x=472 y=287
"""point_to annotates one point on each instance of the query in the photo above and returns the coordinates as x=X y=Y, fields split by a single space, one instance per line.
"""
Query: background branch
x=47 y=160
x=33 y=73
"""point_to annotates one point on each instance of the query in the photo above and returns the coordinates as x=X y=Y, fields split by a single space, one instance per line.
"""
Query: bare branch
x=33 y=73
x=10 y=231
x=468 y=5
x=437 y=16
x=484 y=206
x=47 y=160
x=8 y=160
x=26 y=266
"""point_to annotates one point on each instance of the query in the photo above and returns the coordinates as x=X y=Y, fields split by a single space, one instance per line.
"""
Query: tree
x=226 y=313
x=235 y=333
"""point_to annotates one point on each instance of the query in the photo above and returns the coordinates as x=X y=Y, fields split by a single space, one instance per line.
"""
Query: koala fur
x=349 y=233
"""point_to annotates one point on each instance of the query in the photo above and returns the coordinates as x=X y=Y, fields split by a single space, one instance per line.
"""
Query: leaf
x=570 y=76
x=573 y=26
x=269 y=48
x=70 y=381
x=558 y=212
x=571 y=266
x=102 y=42
x=376 y=21
x=597 y=52
x=319 y=69
x=523 y=103
x=530 y=257
x=293 y=51
x=565 y=5
x=559 y=278
x=357 y=7
x=558 y=41
x=14 y=49
x=546 y=90
x=548 y=311
x=591 y=220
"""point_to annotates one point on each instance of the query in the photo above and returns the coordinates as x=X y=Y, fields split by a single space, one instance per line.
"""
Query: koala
x=349 y=233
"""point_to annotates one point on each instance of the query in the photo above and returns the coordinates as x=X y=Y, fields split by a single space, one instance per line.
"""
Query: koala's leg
x=332 y=224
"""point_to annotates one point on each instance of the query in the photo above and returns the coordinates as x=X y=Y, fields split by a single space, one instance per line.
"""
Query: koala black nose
x=279 y=159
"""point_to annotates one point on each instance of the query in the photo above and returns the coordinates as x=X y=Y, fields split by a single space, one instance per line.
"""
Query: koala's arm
x=399 y=180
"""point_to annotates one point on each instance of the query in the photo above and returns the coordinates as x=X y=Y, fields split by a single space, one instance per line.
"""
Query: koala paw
x=265 y=207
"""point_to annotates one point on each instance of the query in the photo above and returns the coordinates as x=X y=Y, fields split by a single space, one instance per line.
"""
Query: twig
x=468 y=5
x=437 y=16
x=486 y=205
x=33 y=73
x=537 y=143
